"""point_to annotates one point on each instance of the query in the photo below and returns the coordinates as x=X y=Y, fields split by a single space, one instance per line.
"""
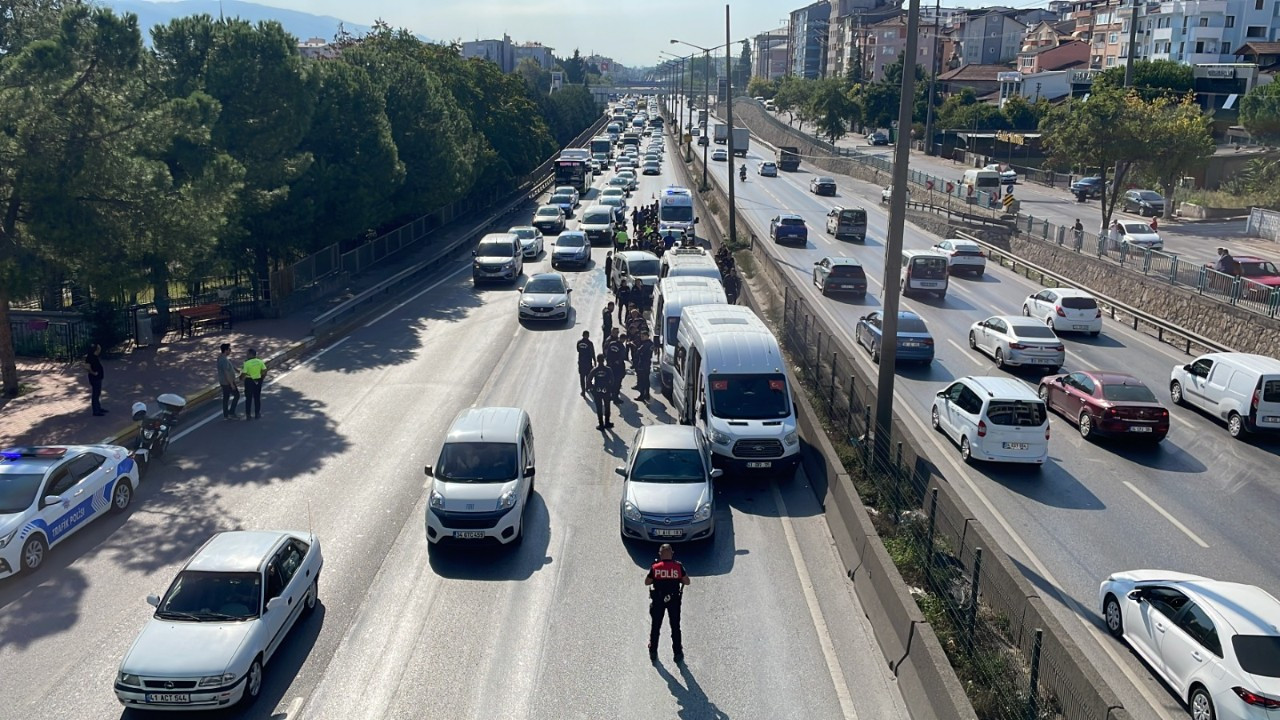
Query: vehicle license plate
x=912 y=344
x=759 y=464
x=1140 y=428
x=1271 y=419
x=663 y=532
x=468 y=534
x=168 y=698
x=1079 y=327
x=1015 y=446
x=928 y=284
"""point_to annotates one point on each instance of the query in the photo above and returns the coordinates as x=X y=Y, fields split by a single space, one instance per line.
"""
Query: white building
x=1197 y=32
x=501 y=52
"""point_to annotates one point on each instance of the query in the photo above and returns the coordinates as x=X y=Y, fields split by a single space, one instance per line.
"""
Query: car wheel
x=875 y=354
x=1112 y=617
x=979 y=272
x=973 y=341
x=1051 y=371
x=933 y=420
x=313 y=597
x=1086 y=425
x=965 y=451
x=1026 y=311
x=1175 y=392
x=1200 y=704
x=1043 y=392
x=1000 y=358
x=122 y=495
x=1235 y=425
x=34 y=551
x=253 y=683
x=1094 y=333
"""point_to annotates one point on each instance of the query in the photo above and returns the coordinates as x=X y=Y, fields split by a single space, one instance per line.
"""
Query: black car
x=823 y=186
x=1144 y=202
x=702 y=140
x=1090 y=187
x=877 y=139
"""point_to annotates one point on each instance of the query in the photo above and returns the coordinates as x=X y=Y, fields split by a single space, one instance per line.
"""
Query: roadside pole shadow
x=694 y=703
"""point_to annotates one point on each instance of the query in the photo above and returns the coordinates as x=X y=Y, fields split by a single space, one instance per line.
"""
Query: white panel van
x=674 y=295
x=1240 y=389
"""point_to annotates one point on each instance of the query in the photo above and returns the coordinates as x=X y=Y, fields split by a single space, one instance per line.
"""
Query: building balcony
x=1202 y=58
x=1165 y=33
x=1194 y=7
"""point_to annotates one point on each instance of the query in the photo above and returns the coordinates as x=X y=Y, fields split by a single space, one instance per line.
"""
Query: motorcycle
x=742 y=174
x=155 y=429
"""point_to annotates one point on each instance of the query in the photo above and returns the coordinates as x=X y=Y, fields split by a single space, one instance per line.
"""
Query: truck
x=721 y=133
x=702 y=117
x=788 y=158
x=741 y=141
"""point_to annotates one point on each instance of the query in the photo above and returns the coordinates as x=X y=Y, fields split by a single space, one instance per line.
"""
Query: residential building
x=317 y=49
x=1048 y=85
x=769 y=54
x=991 y=36
x=535 y=51
x=807 y=40
x=982 y=79
x=1064 y=56
x=1205 y=31
x=886 y=40
x=845 y=16
x=500 y=52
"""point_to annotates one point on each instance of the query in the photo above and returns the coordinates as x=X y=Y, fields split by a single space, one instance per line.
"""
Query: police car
x=48 y=493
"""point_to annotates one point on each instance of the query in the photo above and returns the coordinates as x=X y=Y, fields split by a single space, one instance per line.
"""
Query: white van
x=1240 y=388
x=675 y=207
x=981 y=180
x=924 y=271
x=994 y=419
x=484 y=477
x=689 y=262
x=729 y=379
x=674 y=295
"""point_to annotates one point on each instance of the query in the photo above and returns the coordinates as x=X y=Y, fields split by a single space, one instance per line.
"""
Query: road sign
x=950 y=187
x=1008 y=201
x=928 y=184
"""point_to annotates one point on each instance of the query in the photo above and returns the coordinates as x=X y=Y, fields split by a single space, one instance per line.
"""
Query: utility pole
x=1133 y=40
x=728 y=103
x=935 y=69
x=893 y=243
x=706 y=103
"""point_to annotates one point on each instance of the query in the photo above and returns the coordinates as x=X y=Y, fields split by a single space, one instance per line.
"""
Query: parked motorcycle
x=156 y=428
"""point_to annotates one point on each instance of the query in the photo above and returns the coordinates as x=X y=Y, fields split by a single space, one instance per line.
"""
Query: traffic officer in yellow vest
x=253 y=373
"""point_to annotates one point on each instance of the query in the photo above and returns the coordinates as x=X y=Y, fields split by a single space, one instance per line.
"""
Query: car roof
x=961 y=241
x=636 y=255
x=486 y=424
x=552 y=275
x=235 y=551
x=555 y=208
x=1001 y=388
x=824 y=178
x=836 y=260
x=1262 y=363
x=1070 y=292
x=668 y=437
x=790 y=216
x=1018 y=320
x=1249 y=258
x=571 y=233
x=1249 y=610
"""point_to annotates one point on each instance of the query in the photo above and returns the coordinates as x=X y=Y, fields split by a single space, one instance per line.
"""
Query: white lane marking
x=966 y=351
x=1167 y=515
x=419 y=294
x=1185 y=422
x=815 y=610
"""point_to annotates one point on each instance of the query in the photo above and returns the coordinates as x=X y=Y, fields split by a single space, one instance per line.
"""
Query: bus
x=602 y=144
x=573 y=168
x=675 y=208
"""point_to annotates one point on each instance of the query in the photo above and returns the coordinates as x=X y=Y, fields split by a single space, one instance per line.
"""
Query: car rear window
x=1017 y=413
x=847 y=271
x=911 y=325
x=1032 y=331
x=1258 y=654
x=853 y=216
x=1080 y=303
x=1127 y=393
x=791 y=221
x=968 y=251
x=1271 y=391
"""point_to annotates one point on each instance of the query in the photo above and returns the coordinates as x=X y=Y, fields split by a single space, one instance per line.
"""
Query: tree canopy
x=1260 y=112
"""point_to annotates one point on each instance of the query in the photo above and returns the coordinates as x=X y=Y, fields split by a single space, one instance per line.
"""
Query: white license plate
x=168 y=698
x=468 y=534
x=1271 y=419
x=912 y=344
x=1015 y=446
x=1140 y=428
x=928 y=284
x=764 y=464
x=663 y=532
x=1079 y=327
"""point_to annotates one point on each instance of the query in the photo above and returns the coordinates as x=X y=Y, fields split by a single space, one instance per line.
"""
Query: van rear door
x=1267 y=412
x=1016 y=429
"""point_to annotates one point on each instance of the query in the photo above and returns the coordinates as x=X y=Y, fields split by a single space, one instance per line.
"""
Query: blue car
x=915 y=344
x=564 y=201
x=788 y=228
x=572 y=249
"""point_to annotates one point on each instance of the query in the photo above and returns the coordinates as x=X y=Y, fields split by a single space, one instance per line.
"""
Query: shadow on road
x=694 y=703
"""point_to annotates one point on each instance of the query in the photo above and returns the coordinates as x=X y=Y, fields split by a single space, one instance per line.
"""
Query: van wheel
x=1086 y=426
x=1000 y=358
x=933 y=420
x=965 y=451
x=1235 y=425
x=1175 y=392
x=973 y=341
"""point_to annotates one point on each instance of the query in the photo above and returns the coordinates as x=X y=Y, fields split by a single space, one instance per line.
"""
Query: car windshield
x=911 y=324
x=570 y=240
x=1032 y=331
x=494 y=249
x=677 y=213
x=1258 y=654
x=1259 y=268
x=525 y=233
x=201 y=596
x=791 y=221
x=544 y=285
x=477 y=462
x=1118 y=392
x=639 y=268
x=18 y=491
x=597 y=217
x=750 y=397
x=1021 y=413
x=668 y=466
x=548 y=212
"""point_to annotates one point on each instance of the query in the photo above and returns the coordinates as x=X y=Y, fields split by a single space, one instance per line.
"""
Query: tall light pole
x=728 y=118
x=893 y=243
x=706 y=93
x=681 y=100
x=935 y=68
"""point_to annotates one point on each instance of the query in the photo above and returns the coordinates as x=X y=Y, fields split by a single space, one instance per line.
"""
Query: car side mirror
x=275 y=603
x=566 y=290
x=519 y=290
x=942 y=393
x=428 y=471
x=1187 y=367
x=52 y=500
x=716 y=473
x=621 y=470
x=1137 y=595
x=153 y=601
x=818 y=264
x=530 y=471
x=1061 y=380
x=473 y=253
x=697 y=220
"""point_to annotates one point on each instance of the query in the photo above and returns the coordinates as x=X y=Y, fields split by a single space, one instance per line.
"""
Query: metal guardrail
x=1165 y=330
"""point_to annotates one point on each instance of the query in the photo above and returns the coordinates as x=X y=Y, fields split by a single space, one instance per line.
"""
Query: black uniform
x=586 y=359
x=664 y=597
x=615 y=356
x=642 y=356
x=625 y=298
x=608 y=321
x=732 y=286
x=600 y=380
x=608 y=271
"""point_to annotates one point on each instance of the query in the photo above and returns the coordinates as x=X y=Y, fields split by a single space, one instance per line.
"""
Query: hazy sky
x=630 y=31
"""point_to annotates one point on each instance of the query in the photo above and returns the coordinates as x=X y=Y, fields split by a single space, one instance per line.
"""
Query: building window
x=1231 y=21
x=1113 y=38
x=1182 y=48
x=1111 y=61
x=1204 y=22
x=1226 y=49
x=1257 y=4
x=1256 y=31
x=1200 y=47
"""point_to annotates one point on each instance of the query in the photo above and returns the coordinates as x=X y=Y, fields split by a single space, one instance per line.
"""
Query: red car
x=1106 y=403
x=1258 y=270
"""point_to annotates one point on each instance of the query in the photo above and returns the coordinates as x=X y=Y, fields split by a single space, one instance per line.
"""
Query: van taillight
x=982 y=428
x=1046 y=431
x=1257 y=395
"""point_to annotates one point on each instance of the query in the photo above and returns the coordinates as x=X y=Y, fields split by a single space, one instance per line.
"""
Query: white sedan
x=1016 y=340
x=963 y=256
x=1136 y=236
x=221 y=621
x=47 y=493
x=1215 y=643
x=720 y=155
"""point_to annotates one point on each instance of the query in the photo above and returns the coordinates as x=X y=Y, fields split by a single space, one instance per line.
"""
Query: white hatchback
x=963 y=256
x=993 y=419
x=1065 y=310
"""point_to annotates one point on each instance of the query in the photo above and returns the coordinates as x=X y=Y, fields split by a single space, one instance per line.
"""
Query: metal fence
x=1264 y=224
x=56 y=336
x=1010 y=668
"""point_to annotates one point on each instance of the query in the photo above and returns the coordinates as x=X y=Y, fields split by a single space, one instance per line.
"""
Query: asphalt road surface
x=1200 y=502
x=554 y=628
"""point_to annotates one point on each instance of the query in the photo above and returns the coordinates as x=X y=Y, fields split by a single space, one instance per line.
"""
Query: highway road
x=1200 y=502
x=1196 y=240
x=553 y=628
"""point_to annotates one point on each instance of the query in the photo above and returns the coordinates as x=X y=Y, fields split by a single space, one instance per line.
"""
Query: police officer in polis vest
x=600 y=380
x=666 y=581
x=586 y=359
x=615 y=354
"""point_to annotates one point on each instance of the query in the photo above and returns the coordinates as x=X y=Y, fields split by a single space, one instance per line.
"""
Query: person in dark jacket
x=732 y=286
x=641 y=295
x=642 y=359
x=615 y=356
x=625 y=298
x=586 y=359
x=600 y=381
x=96 y=374
x=608 y=270
x=607 y=316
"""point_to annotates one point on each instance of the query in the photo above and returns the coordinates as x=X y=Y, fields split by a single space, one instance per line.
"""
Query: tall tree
x=1183 y=134
x=575 y=69
x=1151 y=78
x=1260 y=112
x=743 y=75
x=830 y=108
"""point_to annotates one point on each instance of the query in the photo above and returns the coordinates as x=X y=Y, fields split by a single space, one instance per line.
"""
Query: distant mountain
x=301 y=24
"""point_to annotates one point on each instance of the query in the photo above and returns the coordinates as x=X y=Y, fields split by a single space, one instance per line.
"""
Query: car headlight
x=719 y=438
x=631 y=512
x=702 y=513
x=509 y=264
x=216 y=680
x=437 y=500
x=129 y=679
x=507 y=500
x=791 y=438
x=4 y=539
x=562 y=303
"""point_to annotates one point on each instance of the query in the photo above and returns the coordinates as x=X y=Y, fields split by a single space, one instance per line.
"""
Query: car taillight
x=1098 y=314
x=1164 y=414
x=1255 y=699
x=928 y=341
x=981 y=254
x=1253 y=404
x=1060 y=348
x=1113 y=412
x=1058 y=309
x=982 y=428
x=1017 y=346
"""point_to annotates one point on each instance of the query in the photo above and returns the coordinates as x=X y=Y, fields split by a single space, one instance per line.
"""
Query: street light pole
x=728 y=103
x=935 y=68
x=706 y=93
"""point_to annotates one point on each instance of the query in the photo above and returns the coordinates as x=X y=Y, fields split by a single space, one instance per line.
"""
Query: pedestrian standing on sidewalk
x=96 y=373
x=586 y=359
x=253 y=372
x=227 y=379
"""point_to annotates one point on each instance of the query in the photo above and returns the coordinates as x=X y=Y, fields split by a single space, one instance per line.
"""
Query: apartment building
x=807 y=40
x=769 y=54
x=500 y=52
x=991 y=36
x=887 y=39
x=536 y=51
x=1206 y=31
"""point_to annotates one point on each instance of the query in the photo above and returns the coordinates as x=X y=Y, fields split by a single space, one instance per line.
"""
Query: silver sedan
x=667 y=493
x=545 y=297
x=1017 y=340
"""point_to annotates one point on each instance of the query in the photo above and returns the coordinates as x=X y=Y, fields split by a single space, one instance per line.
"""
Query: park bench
x=191 y=319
